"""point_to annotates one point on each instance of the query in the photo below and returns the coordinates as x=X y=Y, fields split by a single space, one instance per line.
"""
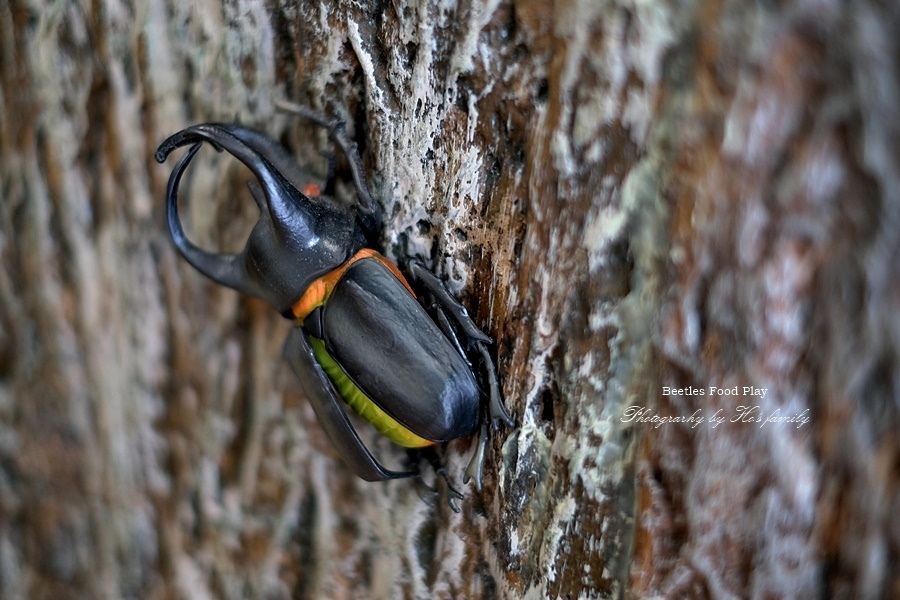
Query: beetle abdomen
x=362 y=404
x=390 y=348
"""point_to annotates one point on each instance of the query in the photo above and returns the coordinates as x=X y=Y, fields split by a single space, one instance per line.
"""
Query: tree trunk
x=678 y=221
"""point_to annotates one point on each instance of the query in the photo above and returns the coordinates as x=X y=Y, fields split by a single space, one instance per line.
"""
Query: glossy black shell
x=393 y=351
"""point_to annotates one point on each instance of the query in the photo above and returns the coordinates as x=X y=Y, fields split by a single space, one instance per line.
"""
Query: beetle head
x=295 y=239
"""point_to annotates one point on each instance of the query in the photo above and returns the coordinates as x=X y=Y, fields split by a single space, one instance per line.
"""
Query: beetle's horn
x=284 y=163
x=284 y=253
x=226 y=269
x=264 y=158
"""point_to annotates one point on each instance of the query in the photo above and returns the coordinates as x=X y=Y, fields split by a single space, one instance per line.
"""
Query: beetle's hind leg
x=428 y=493
x=475 y=468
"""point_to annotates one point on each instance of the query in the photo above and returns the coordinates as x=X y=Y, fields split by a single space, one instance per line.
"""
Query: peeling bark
x=628 y=196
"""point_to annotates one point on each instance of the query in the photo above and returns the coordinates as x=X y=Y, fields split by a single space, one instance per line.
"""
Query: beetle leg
x=449 y=332
x=426 y=493
x=475 y=469
x=259 y=196
x=429 y=494
x=452 y=494
x=496 y=407
x=440 y=472
x=369 y=211
x=421 y=273
x=496 y=411
x=476 y=336
x=331 y=177
x=327 y=406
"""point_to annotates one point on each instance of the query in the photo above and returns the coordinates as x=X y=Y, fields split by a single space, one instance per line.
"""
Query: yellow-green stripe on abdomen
x=362 y=404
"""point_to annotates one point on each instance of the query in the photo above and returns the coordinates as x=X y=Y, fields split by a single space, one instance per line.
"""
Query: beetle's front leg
x=369 y=211
x=327 y=406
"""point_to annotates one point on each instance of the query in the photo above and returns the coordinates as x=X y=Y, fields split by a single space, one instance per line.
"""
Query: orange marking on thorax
x=320 y=289
x=312 y=190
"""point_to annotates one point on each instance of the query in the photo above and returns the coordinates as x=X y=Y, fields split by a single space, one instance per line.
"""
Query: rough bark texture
x=629 y=196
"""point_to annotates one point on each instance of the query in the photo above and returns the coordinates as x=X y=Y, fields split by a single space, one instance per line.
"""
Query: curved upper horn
x=252 y=149
x=222 y=137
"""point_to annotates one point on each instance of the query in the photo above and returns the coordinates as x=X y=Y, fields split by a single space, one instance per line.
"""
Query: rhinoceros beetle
x=361 y=335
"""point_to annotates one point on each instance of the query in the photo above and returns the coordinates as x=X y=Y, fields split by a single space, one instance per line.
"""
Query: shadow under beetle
x=361 y=333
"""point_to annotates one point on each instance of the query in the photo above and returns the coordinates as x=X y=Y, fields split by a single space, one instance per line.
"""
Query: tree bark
x=639 y=201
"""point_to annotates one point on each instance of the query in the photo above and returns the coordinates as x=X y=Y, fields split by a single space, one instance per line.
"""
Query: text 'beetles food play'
x=361 y=333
